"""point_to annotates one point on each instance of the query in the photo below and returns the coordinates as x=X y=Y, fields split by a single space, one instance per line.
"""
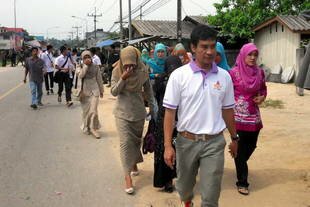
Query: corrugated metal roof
x=166 y=29
x=296 y=23
x=135 y=41
x=198 y=19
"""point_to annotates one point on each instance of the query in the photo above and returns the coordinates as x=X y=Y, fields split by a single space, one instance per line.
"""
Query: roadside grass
x=273 y=103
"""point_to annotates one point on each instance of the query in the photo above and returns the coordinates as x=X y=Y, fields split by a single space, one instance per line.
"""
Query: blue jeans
x=36 y=92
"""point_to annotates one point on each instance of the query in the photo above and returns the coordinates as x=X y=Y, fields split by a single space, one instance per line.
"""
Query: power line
x=101 y=4
x=198 y=5
x=184 y=10
x=155 y=6
x=110 y=7
x=158 y=1
x=137 y=8
x=111 y=27
x=158 y=4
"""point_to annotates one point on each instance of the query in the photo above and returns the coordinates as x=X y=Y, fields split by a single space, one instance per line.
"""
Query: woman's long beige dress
x=130 y=115
x=92 y=87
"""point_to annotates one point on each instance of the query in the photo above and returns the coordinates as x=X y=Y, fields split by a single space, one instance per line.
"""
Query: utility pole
x=95 y=21
x=129 y=20
x=15 y=14
x=140 y=12
x=77 y=32
x=179 y=21
x=71 y=37
x=77 y=35
x=121 y=19
x=15 y=24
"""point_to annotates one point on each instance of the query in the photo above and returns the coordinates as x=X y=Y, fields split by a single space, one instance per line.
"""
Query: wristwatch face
x=235 y=138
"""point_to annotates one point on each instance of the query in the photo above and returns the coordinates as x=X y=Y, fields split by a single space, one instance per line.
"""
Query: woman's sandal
x=243 y=190
x=134 y=173
x=129 y=191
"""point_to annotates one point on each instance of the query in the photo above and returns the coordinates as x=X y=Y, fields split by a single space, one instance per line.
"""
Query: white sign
x=5 y=44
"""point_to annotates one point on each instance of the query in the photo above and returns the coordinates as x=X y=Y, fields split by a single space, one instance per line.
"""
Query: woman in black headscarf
x=163 y=174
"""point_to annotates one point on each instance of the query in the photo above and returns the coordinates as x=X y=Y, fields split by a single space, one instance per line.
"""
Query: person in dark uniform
x=113 y=57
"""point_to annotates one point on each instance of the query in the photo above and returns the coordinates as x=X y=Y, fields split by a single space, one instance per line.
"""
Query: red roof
x=17 y=30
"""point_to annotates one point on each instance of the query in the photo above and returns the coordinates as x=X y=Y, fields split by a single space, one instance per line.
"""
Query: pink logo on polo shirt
x=217 y=85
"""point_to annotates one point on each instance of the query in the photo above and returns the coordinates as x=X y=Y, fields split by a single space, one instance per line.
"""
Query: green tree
x=236 y=18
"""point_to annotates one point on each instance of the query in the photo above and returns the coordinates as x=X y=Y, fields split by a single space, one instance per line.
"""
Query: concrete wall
x=277 y=45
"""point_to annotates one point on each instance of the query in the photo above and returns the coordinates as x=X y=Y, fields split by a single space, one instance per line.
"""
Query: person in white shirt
x=48 y=59
x=72 y=64
x=96 y=59
x=204 y=97
x=63 y=65
x=74 y=60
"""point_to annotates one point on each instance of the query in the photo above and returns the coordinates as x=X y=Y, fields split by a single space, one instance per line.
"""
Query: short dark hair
x=93 y=50
x=74 y=50
x=202 y=32
x=34 y=48
x=48 y=47
x=63 y=48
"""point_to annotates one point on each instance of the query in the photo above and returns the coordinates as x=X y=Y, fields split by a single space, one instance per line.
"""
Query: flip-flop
x=243 y=190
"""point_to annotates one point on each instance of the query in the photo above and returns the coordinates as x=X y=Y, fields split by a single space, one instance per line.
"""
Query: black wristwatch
x=235 y=138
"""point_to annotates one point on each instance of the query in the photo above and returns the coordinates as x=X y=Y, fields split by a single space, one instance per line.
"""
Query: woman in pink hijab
x=250 y=91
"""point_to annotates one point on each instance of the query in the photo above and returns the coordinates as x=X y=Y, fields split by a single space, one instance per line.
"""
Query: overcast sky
x=41 y=16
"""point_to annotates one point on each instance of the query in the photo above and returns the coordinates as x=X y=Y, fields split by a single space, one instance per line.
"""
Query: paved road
x=45 y=160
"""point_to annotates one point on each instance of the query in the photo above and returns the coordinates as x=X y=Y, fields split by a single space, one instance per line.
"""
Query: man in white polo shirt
x=203 y=95
x=48 y=59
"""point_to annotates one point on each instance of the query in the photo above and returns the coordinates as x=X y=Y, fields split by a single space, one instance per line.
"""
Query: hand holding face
x=87 y=61
x=127 y=72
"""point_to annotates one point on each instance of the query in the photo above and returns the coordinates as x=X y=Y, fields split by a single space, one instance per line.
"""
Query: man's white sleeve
x=229 y=98
x=173 y=93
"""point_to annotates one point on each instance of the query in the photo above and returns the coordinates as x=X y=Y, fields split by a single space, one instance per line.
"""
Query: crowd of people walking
x=192 y=98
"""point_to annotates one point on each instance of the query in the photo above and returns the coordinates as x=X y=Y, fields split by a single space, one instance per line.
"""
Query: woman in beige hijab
x=92 y=88
x=129 y=79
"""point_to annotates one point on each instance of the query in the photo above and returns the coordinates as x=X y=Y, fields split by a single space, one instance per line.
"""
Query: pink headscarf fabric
x=251 y=75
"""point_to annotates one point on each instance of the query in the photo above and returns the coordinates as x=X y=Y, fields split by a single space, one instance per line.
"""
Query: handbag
x=57 y=75
x=149 y=140
x=77 y=93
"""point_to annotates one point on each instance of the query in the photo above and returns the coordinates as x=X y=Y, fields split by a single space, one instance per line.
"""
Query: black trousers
x=72 y=79
x=13 y=62
x=49 y=80
x=110 y=74
x=246 y=147
x=64 y=79
x=4 y=62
